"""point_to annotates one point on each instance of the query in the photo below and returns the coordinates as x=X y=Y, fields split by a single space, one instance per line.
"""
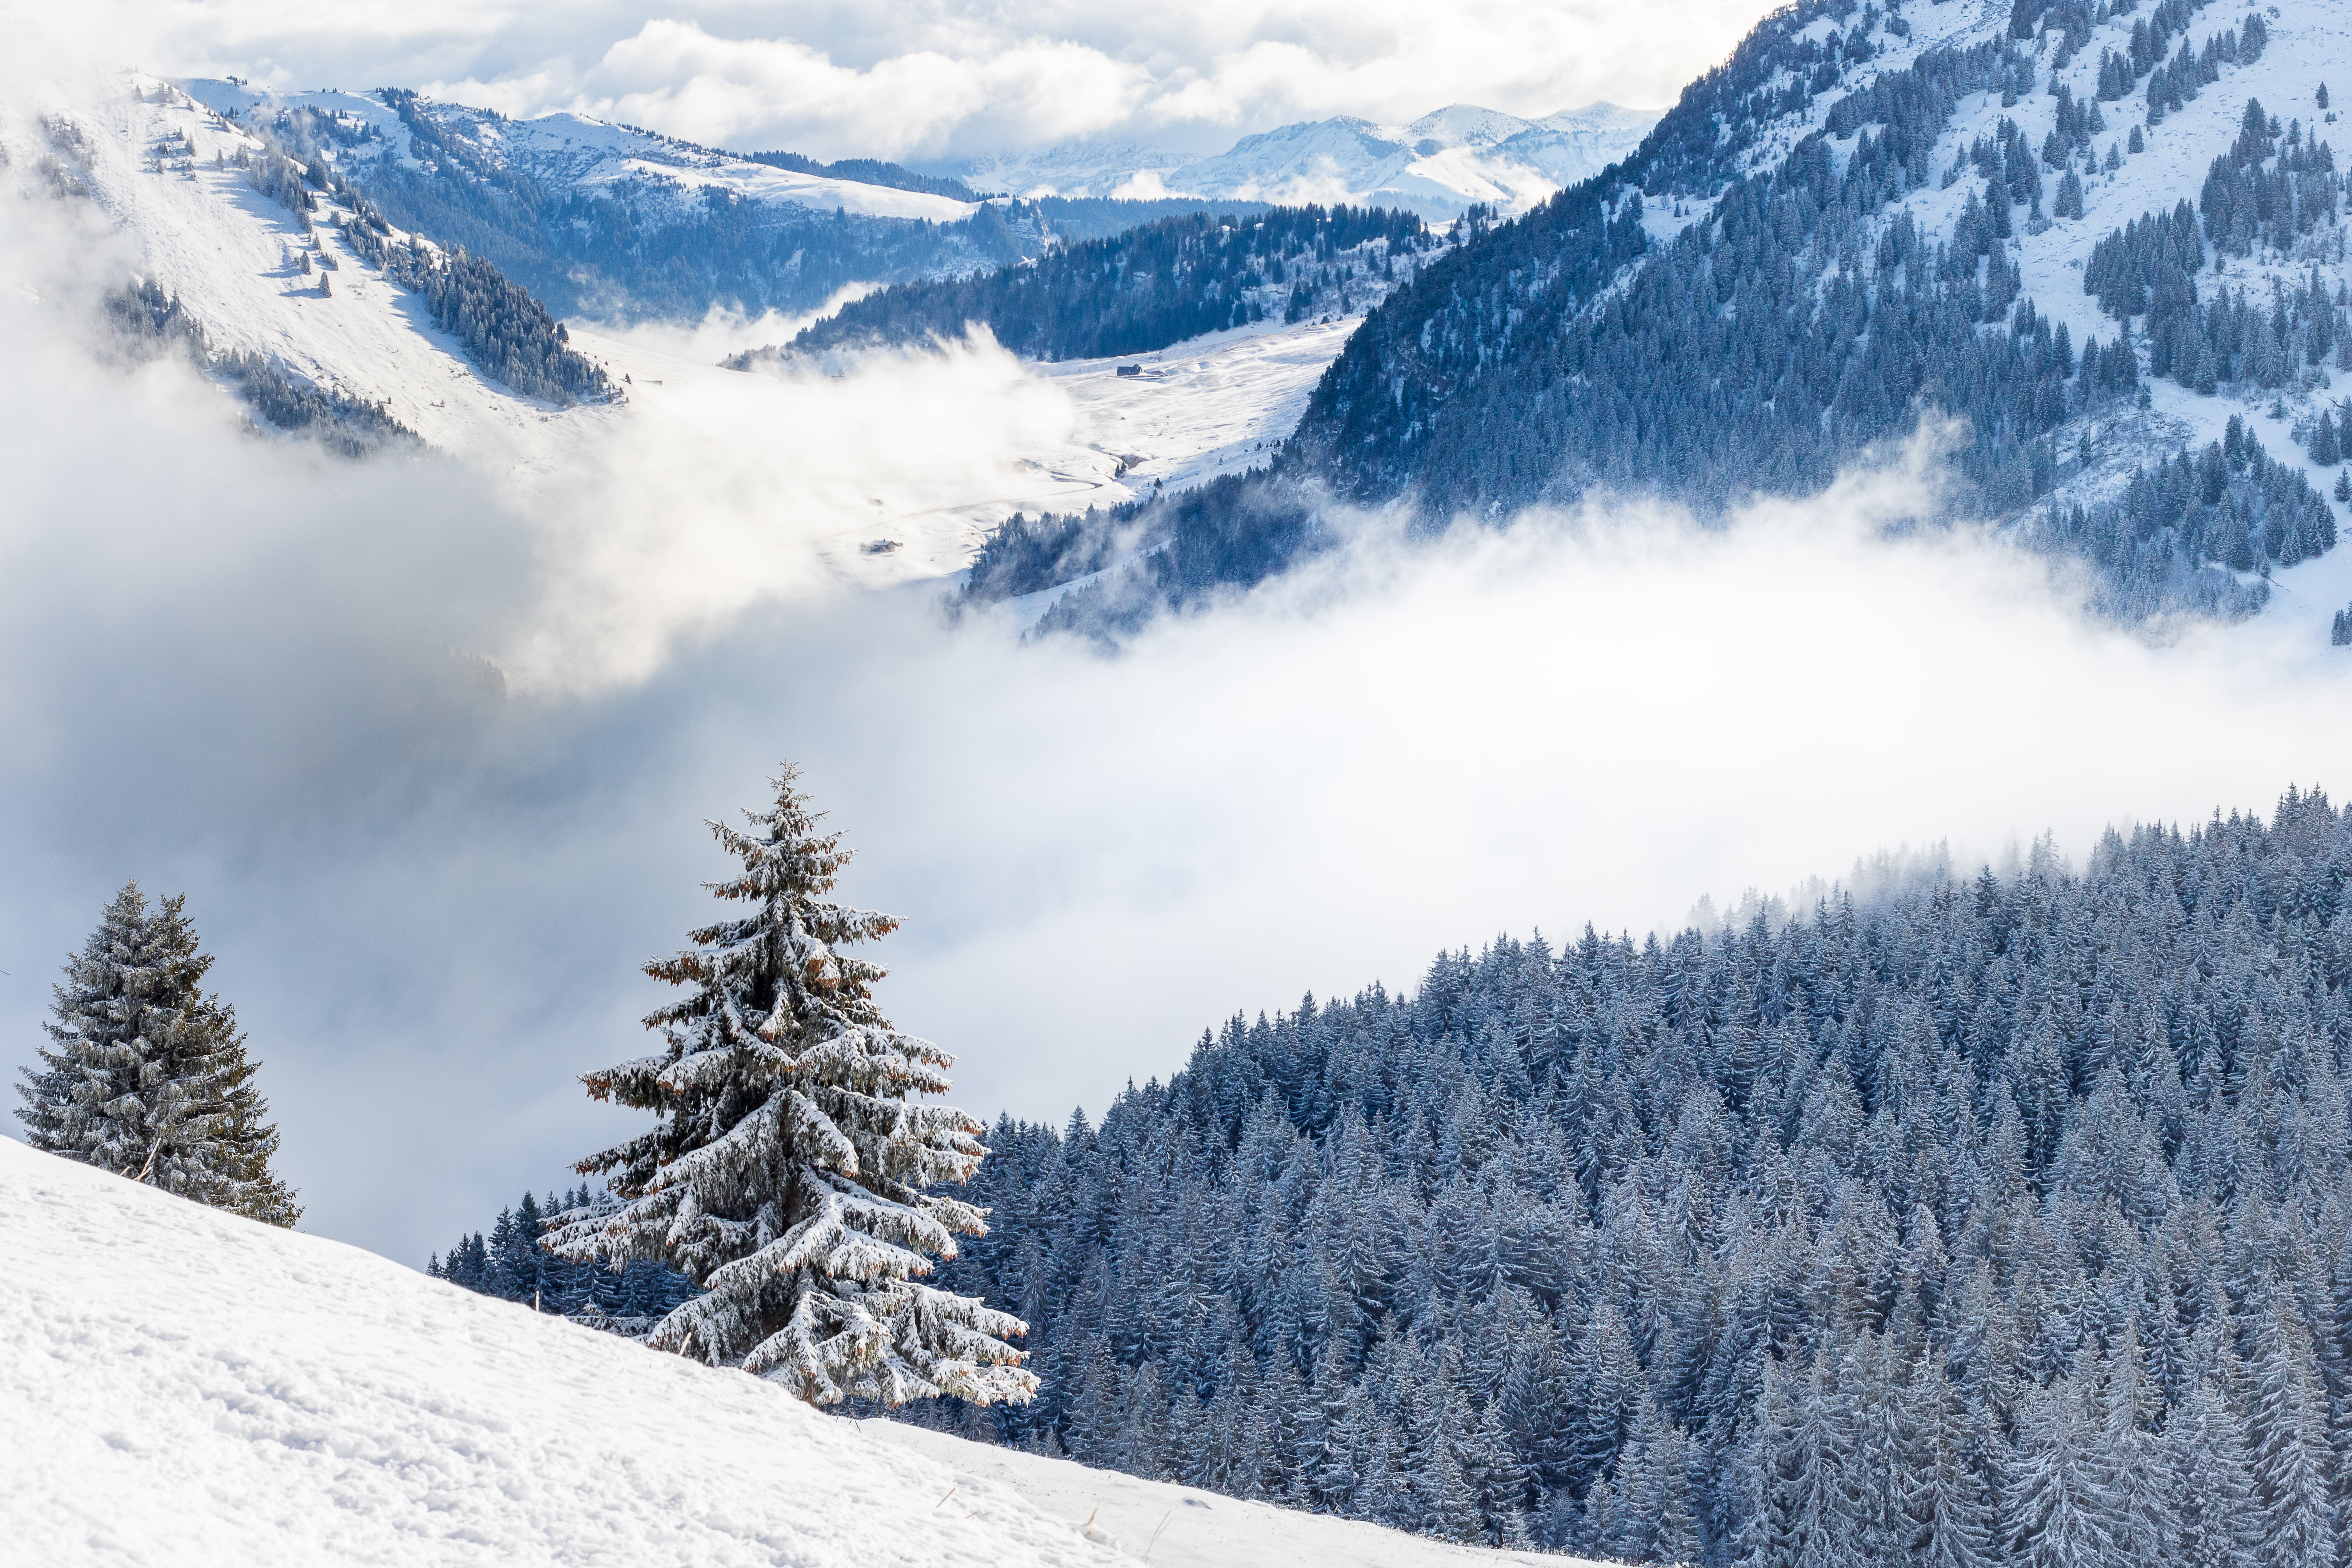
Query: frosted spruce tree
x=787 y=1174
x=147 y=1075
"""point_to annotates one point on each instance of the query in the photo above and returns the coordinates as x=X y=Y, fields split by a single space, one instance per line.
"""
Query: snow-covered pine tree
x=148 y=1076
x=788 y=1174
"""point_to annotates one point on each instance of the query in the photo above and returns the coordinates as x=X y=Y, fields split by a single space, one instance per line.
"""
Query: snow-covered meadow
x=180 y=1386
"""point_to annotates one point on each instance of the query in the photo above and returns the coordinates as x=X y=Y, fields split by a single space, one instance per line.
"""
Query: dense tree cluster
x=1145 y=289
x=1234 y=532
x=149 y=320
x=2266 y=191
x=1755 y=351
x=506 y=331
x=870 y=171
x=511 y=1264
x=1800 y=322
x=146 y=1074
x=1990 y=1220
x=2182 y=531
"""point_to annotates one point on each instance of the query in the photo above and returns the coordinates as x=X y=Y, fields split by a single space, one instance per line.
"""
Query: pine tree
x=148 y=1076
x=2062 y=1505
x=788 y=1176
x=2286 y=1428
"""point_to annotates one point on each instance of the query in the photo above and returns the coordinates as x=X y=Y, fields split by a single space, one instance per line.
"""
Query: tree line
x=1140 y=290
x=1980 y=1220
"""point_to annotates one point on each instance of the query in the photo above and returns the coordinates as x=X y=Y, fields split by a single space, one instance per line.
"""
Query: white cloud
x=952 y=78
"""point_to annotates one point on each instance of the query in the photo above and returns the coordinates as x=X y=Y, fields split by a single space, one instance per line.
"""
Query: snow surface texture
x=1183 y=1527
x=162 y=1409
x=1437 y=165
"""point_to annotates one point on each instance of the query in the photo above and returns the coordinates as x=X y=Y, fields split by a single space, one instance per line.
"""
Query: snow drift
x=183 y=1387
x=186 y=1387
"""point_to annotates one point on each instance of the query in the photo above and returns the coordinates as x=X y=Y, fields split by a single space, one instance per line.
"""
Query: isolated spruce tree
x=788 y=1175
x=148 y=1076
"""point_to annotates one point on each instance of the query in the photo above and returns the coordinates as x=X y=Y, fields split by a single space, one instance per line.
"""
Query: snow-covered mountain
x=566 y=153
x=1437 y=165
x=1868 y=213
x=186 y=1387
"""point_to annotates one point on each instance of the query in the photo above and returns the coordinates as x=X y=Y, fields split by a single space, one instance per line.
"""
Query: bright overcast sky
x=912 y=78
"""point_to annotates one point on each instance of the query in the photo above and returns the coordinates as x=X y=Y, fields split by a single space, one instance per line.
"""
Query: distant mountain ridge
x=1438 y=165
x=616 y=222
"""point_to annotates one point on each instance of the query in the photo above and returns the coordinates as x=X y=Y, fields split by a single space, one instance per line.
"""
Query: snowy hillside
x=160 y=168
x=1872 y=211
x=189 y=1388
x=1436 y=165
x=575 y=153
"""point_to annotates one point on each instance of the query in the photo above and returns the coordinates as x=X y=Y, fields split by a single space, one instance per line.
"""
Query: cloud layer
x=926 y=78
x=232 y=675
x=236 y=671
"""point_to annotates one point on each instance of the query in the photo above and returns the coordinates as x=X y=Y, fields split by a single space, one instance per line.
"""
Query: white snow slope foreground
x=180 y=1386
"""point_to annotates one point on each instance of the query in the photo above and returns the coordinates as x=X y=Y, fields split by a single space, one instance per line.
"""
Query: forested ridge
x=1145 y=289
x=1712 y=319
x=1988 y=1219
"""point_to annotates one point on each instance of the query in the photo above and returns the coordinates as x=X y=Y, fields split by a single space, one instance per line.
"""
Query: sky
x=932 y=79
x=243 y=672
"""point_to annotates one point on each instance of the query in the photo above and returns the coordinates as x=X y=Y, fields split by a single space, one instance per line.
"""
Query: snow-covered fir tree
x=789 y=1176
x=147 y=1075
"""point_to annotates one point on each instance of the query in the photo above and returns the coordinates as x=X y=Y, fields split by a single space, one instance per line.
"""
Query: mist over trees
x=1707 y=325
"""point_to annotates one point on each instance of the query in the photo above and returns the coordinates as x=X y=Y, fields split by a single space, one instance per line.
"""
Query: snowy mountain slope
x=575 y=151
x=1806 y=252
x=184 y=1387
x=236 y=260
x=1185 y=1526
x=1437 y=165
x=1032 y=441
x=163 y=1409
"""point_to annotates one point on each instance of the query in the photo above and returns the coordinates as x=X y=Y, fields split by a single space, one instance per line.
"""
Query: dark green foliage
x=2339 y=631
x=506 y=331
x=2269 y=187
x=1233 y=533
x=1802 y=1240
x=1797 y=324
x=146 y=1074
x=1142 y=291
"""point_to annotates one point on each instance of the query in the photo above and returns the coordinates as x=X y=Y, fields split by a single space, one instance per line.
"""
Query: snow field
x=183 y=1387
x=1183 y=1527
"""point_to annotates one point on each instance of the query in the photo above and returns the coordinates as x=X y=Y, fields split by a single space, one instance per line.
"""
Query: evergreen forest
x=1145 y=288
x=2002 y=1218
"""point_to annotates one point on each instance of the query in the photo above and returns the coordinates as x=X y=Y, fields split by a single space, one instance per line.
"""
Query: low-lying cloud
x=234 y=672
x=949 y=78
